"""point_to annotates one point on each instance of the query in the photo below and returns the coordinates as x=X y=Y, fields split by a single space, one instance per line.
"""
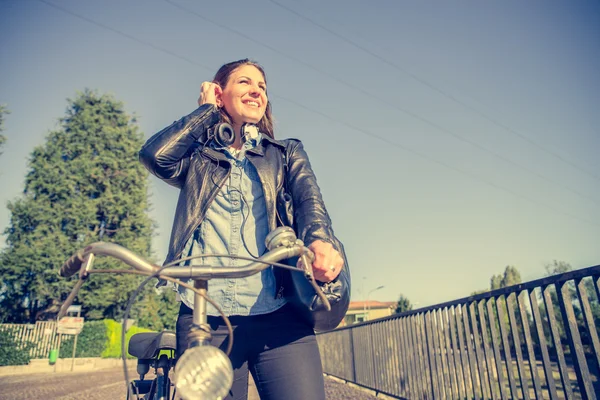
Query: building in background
x=360 y=311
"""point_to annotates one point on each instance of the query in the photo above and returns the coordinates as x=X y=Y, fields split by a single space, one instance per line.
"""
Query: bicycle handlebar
x=284 y=247
x=76 y=261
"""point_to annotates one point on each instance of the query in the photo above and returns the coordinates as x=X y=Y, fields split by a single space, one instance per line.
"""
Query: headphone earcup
x=224 y=136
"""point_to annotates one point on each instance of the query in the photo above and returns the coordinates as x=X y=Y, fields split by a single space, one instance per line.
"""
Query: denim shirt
x=236 y=223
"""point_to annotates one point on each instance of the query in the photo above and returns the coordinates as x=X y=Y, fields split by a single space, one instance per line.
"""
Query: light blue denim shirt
x=236 y=223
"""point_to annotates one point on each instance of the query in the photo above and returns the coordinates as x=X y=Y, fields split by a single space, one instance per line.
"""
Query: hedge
x=98 y=339
x=11 y=352
x=112 y=348
x=90 y=342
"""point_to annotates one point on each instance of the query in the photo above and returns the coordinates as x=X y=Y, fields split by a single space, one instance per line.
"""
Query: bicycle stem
x=200 y=334
x=200 y=314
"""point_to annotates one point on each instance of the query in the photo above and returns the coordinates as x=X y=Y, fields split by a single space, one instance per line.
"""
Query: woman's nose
x=255 y=90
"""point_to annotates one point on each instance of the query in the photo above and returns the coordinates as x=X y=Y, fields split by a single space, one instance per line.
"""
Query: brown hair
x=265 y=125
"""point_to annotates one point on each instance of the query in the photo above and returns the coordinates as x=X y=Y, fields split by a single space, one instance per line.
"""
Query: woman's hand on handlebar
x=328 y=262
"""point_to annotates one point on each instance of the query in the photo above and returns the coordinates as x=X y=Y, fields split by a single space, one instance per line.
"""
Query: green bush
x=10 y=352
x=98 y=339
x=113 y=333
x=90 y=342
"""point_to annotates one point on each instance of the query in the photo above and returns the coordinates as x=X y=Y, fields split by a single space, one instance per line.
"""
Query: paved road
x=109 y=384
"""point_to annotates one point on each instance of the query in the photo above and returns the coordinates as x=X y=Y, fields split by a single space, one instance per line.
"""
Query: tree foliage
x=511 y=276
x=3 y=112
x=84 y=184
x=557 y=267
x=403 y=305
x=586 y=287
x=159 y=311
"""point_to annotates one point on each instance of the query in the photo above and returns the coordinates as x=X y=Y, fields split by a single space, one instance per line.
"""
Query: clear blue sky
x=450 y=139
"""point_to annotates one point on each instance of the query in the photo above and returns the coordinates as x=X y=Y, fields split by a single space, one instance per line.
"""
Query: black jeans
x=279 y=349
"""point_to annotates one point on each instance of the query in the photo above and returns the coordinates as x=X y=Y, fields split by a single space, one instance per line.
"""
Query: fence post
x=352 y=354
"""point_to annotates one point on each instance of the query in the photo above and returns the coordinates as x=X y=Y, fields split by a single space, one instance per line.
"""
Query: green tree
x=557 y=267
x=510 y=277
x=3 y=111
x=560 y=267
x=84 y=184
x=159 y=311
x=476 y=292
x=403 y=305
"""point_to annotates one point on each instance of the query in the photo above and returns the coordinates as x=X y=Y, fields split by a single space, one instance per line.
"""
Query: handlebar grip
x=72 y=265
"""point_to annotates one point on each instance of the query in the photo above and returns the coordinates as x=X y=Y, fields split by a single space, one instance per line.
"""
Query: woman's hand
x=210 y=93
x=328 y=262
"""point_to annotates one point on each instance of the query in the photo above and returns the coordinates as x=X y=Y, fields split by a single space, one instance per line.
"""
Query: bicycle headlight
x=203 y=372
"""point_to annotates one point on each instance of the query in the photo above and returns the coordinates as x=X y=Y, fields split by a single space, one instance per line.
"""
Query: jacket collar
x=266 y=139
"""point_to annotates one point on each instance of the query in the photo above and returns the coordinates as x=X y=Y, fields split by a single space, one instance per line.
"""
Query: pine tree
x=403 y=304
x=84 y=184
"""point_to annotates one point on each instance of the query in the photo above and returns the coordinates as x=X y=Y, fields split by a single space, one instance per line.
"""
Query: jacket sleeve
x=310 y=214
x=167 y=153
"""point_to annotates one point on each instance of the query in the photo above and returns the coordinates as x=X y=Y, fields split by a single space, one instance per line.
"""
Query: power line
x=437 y=89
x=363 y=131
x=383 y=101
x=140 y=41
x=428 y=158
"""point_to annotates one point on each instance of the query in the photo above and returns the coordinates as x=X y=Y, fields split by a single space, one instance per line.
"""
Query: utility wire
x=140 y=41
x=438 y=90
x=363 y=131
x=383 y=101
x=428 y=158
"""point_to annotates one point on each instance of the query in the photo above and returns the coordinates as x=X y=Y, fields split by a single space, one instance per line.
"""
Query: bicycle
x=203 y=371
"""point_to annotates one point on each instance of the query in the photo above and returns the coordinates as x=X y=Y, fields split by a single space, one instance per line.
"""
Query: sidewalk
x=41 y=365
x=336 y=389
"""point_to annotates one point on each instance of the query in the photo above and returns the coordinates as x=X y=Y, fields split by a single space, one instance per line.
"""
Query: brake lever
x=306 y=260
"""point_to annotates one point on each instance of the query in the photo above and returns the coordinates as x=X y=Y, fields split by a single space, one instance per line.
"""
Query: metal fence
x=41 y=336
x=536 y=340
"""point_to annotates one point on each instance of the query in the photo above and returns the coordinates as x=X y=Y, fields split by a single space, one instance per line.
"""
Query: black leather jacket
x=177 y=156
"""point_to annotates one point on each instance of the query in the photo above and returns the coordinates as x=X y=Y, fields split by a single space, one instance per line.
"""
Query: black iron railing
x=536 y=340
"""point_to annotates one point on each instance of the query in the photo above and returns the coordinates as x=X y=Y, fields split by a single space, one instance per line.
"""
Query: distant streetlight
x=368 y=310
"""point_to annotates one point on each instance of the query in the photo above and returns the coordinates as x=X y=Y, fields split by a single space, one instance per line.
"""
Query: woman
x=227 y=205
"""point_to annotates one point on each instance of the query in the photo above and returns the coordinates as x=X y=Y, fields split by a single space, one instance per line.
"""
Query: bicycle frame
x=158 y=388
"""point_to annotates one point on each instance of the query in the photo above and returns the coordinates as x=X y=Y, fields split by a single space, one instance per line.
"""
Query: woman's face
x=245 y=96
